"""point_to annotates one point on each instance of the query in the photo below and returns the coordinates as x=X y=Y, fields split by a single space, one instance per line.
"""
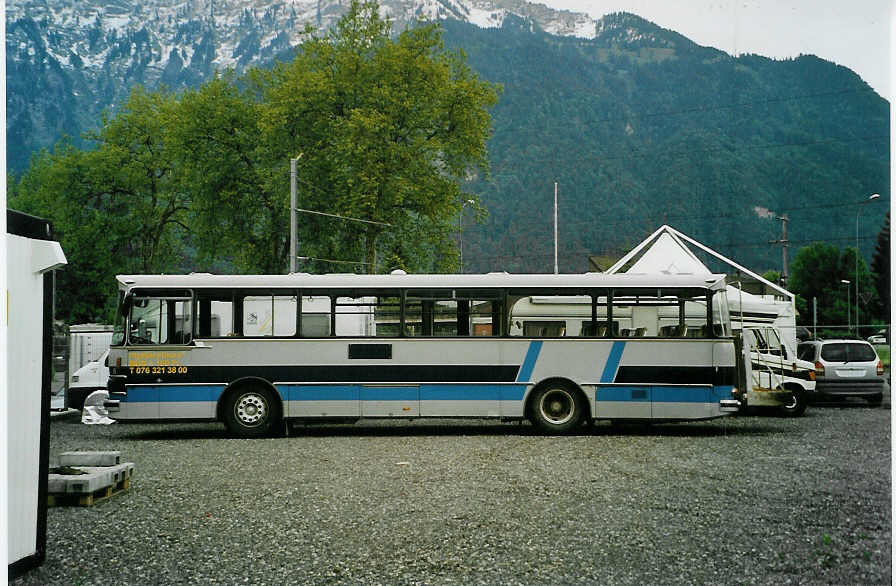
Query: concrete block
x=94 y=479
x=89 y=458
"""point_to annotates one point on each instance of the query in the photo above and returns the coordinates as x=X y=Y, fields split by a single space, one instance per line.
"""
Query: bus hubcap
x=557 y=406
x=251 y=409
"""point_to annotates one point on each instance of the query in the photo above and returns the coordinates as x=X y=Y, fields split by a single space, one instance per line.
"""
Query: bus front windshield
x=160 y=321
x=120 y=315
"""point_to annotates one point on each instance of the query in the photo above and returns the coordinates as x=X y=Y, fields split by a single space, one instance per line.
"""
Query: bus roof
x=355 y=281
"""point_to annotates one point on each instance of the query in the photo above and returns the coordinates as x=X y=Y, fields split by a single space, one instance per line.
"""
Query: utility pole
x=556 y=269
x=293 y=216
x=784 y=244
x=294 y=211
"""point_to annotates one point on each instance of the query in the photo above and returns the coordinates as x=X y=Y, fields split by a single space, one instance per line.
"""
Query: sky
x=853 y=33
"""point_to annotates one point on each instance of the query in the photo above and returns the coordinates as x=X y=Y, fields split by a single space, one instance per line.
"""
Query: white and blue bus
x=255 y=351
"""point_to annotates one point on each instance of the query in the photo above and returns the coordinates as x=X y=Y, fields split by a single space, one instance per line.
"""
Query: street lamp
x=871 y=197
x=848 y=320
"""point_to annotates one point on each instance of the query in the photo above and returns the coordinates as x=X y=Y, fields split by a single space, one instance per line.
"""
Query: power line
x=343 y=262
x=342 y=217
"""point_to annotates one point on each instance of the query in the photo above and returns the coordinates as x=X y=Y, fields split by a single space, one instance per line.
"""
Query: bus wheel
x=557 y=408
x=251 y=411
x=795 y=405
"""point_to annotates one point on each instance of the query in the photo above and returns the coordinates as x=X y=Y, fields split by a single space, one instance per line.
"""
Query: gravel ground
x=743 y=500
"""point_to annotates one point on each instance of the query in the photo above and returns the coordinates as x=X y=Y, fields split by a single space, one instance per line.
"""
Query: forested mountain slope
x=638 y=125
x=641 y=127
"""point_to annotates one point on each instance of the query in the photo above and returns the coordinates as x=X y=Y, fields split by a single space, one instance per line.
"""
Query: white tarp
x=667 y=257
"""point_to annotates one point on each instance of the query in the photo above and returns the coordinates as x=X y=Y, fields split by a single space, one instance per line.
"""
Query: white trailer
x=87 y=342
x=31 y=256
x=87 y=369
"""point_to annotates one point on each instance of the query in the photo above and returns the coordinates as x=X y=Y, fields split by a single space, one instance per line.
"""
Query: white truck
x=87 y=370
x=779 y=378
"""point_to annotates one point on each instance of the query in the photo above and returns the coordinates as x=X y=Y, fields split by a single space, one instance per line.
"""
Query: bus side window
x=544 y=329
x=359 y=316
x=269 y=315
x=482 y=317
x=180 y=326
x=315 y=317
x=443 y=314
x=214 y=314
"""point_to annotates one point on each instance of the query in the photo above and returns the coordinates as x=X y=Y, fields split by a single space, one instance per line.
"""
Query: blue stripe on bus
x=426 y=392
x=640 y=394
x=320 y=392
x=174 y=393
x=613 y=361
x=723 y=391
x=396 y=393
x=662 y=394
x=472 y=392
x=529 y=362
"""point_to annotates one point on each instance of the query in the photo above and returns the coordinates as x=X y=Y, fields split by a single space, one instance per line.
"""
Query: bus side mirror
x=125 y=308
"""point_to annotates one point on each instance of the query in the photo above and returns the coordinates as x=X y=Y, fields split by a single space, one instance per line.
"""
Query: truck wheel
x=796 y=404
x=251 y=411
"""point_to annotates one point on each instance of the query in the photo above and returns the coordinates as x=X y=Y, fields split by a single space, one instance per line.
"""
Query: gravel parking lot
x=749 y=499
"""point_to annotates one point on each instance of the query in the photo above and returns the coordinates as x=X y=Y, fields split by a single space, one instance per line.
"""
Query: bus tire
x=796 y=405
x=251 y=411
x=557 y=407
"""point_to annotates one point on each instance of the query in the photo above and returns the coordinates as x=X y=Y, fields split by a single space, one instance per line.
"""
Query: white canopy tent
x=666 y=252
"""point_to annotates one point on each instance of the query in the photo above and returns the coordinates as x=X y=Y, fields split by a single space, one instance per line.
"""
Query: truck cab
x=779 y=378
x=91 y=377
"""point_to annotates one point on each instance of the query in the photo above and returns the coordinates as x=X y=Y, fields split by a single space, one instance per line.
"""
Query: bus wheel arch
x=250 y=407
x=557 y=405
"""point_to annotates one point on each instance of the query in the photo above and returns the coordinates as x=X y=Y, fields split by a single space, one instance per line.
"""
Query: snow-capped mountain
x=89 y=34
x=68 y=60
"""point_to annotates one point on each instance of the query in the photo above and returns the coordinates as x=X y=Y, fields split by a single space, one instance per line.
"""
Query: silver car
x=845 y=368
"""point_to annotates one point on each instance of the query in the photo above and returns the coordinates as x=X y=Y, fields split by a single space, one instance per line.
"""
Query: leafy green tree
x=238 y=210
x=880 y=267
x=818 y=272
x=388 y=129
x=119 y=208
x=772 y=276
